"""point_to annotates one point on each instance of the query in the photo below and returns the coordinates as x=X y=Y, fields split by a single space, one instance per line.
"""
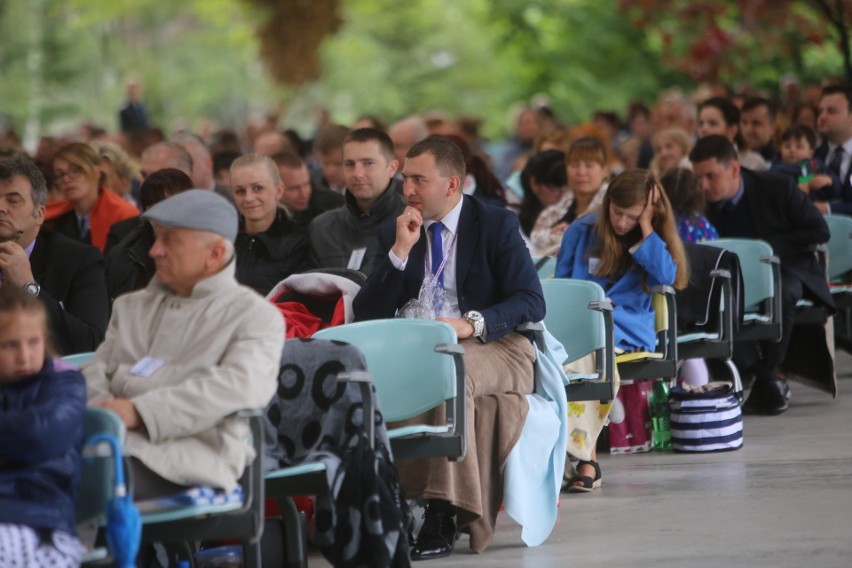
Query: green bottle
x=660 y=416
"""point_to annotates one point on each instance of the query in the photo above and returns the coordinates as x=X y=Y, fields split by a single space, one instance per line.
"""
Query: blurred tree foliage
x=66 y=61
x=755 y=40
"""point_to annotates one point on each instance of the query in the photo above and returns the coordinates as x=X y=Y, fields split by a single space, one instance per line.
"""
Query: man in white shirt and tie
x=834 y=123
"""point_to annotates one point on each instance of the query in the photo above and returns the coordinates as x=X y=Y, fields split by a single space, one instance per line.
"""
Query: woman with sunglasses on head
x=628 y=247
x=89 y=207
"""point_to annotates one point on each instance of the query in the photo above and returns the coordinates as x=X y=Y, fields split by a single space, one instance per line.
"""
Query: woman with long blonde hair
x=629 y=246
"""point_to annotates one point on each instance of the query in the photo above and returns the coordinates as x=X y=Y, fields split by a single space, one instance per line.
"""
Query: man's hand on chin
x=464 y=328
x=15 y=264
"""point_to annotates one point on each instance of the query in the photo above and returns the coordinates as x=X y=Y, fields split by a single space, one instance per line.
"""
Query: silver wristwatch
x=32 y=288
x=477 y=321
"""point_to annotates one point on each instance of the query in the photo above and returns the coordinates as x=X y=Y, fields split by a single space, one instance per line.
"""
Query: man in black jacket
x=68 y=276
x=767 y=206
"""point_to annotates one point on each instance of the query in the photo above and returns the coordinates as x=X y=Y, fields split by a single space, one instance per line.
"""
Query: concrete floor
x=783 y=500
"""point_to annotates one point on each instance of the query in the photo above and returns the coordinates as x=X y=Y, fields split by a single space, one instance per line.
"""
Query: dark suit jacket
x=494 y=272
x=784 y=217
x=119 y=231
x=133 y=118
x=844 y=205
x=67 y=224
x=73 y=289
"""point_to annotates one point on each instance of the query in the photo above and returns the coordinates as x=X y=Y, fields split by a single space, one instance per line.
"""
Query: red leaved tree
x=713 y=39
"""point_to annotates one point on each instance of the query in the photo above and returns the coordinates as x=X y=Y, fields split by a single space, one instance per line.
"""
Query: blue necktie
x=836 y=161
x=437 y=245
x=84 y=227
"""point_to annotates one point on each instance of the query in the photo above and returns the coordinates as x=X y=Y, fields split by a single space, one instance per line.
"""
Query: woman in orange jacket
x=89 y=208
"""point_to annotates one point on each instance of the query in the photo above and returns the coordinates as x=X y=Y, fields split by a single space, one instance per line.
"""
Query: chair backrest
x=98 y=476
x=758 y=277
x=579 y=329
x=410 y=376
x=79 y=359
x=839 y=245
x=546 y=267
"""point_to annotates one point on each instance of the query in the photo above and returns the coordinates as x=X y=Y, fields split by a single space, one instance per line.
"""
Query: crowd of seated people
x=128 y=247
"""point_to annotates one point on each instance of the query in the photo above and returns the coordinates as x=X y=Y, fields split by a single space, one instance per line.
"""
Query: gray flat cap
x=197 y=209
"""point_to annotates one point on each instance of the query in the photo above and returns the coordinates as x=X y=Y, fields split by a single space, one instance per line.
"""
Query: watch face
x=32 y=288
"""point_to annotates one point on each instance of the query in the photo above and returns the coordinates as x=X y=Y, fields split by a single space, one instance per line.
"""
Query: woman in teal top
x=627 y=248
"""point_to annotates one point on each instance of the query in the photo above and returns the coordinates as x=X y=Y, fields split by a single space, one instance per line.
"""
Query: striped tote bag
x=706 y=420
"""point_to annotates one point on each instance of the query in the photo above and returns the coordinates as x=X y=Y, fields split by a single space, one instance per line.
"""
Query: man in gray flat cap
x=185 y=353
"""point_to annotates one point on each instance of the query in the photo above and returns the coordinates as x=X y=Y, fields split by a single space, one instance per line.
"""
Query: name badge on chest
x=146 y=366
x=356 y=259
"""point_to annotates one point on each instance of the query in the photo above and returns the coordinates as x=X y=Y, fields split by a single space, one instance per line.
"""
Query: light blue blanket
x=533 y=474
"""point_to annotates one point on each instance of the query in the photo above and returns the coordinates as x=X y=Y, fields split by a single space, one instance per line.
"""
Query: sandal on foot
x=584 y=483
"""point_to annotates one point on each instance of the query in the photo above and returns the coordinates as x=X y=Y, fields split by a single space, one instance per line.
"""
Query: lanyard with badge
x=432 y=295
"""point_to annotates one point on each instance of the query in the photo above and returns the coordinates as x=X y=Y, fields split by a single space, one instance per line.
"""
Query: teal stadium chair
x=840 y=250
x=545 y=266
x=238 y=520
x=840 y=276
x=416 y=365
x=98 y=474
x=761 y=271
x=580 y=317
x=711 y=335
x=663 y=361
x=78 y=359
x=184 y=524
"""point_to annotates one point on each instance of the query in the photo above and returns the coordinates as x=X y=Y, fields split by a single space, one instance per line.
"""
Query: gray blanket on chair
x=360 y=521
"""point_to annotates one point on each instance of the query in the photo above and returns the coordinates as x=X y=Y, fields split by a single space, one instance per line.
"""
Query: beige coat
x=220 y=350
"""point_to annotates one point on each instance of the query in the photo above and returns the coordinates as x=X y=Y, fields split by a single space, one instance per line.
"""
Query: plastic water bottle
x=660 y=416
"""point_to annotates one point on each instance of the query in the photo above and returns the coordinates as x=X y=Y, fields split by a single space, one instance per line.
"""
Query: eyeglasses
x=556 y=188
x=73 y=172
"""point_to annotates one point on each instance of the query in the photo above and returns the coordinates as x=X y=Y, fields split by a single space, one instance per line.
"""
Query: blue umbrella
x=124 y=527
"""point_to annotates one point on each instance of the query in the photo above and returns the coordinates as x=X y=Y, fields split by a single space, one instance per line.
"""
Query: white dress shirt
x=450 y=308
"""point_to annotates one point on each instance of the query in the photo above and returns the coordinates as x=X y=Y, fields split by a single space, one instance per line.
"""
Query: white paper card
x=146 y=366
x=357 y=258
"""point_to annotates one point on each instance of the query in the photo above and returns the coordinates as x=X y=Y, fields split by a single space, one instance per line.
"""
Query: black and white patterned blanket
x=360 y=520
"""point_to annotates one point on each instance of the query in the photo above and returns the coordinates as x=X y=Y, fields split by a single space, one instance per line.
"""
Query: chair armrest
x=720 y=273
x=531 y=326
x=670 y=343
x=601 y=305
x=451 y=348
x=775 y=262
x=663 y=289
x=365 y=385
x=247 y=413
x=457 y=410
x=252 y=478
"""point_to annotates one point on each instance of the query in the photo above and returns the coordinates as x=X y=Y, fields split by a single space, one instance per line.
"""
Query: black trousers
x=764 y=356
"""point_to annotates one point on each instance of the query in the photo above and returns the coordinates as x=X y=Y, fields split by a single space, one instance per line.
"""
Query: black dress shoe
x=437 y=536
x=768 y=398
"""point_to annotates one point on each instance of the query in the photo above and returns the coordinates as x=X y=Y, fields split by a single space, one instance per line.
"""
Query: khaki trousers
x=499 y=376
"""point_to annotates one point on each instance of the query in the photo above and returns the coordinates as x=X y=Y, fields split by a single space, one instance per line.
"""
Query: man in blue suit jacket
x=475 y=254
x=834 y=123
